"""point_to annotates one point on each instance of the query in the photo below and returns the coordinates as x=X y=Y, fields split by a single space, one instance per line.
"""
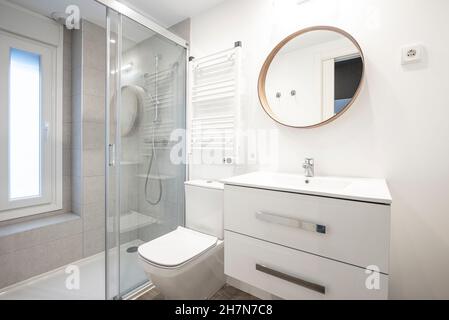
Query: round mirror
x=312 y=77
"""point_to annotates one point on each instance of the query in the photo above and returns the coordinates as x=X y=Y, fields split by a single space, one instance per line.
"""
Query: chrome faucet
x=309 y=167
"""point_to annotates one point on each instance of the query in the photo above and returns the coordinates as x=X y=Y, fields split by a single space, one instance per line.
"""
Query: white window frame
x=15 y=36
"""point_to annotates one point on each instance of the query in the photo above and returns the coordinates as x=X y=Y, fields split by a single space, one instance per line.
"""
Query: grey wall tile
x=76 y=162
x=61 y=230
x=94 y=162
x=31 y=262
x=93 y=135
x=67 y=95
x=77 y=47
x=64 y=251
x=67 y=108
x=95 y=53
x=67 y=135
x=67 y=48
x=67 y=81
x=77 y=80
x=77 y=135
x=94 y=108
x=67 y=162
x=67 y=36
x=76 y=108
x=77 y=190
x=94 y=241
x=94 y=216
x=6 y=245
x=8 y=274
x=36 y=234
x=67 y=194
x=93 y=190
x=93 y=82
x=43 y=258
x=77 y=208
x=18 y=241
x=67 y=57
x=94 y=33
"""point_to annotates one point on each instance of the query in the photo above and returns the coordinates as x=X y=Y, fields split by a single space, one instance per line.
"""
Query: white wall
x=397 y=129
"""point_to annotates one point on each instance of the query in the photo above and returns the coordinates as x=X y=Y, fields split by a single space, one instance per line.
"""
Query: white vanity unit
x=308 y=238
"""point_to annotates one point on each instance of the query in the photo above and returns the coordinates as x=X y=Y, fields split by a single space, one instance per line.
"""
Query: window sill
x=26 y=212
x=37 y=223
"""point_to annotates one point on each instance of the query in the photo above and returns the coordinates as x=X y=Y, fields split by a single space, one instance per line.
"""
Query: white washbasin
x=292 y=181
x=362 y=189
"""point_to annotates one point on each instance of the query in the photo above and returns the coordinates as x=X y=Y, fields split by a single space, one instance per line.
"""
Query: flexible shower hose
x=153 y=149
x=150 y=165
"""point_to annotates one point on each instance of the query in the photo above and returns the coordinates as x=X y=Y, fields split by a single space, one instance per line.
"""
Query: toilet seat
x=176 y=248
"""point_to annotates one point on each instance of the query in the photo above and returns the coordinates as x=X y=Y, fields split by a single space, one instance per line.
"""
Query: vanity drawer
x=353 y=232
x=292 y=274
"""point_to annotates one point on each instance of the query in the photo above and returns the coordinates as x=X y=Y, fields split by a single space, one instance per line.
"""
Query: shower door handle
x=111 y=155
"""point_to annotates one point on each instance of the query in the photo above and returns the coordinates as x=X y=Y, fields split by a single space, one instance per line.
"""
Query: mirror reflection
x=312 y=77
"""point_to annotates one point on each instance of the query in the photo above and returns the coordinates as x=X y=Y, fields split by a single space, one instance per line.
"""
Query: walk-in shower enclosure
x=145 y=129
x=100 y=133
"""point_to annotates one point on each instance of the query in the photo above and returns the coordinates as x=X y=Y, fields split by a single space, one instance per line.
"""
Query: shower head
x=59 y=17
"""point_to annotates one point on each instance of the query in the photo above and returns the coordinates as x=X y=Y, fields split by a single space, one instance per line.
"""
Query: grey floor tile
x=226 y=293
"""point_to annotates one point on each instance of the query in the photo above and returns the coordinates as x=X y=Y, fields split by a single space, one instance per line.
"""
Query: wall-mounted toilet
x=188 y=263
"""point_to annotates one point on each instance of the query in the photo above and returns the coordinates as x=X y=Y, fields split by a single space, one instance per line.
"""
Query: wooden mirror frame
x=266 y=66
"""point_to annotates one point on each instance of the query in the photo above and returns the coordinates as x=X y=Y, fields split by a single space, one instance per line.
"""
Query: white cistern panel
x=204 y=207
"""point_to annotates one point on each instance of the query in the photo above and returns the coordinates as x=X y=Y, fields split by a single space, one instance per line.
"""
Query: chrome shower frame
x=143 y=20
x=123 y=10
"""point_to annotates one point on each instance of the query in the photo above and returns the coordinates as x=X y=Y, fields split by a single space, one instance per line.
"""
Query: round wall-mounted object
x=325 y=66
x=132 y=99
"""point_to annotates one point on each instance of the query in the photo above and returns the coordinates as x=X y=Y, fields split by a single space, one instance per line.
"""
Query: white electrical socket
x=412 y=54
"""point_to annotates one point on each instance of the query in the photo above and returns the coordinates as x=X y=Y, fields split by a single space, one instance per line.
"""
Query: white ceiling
x=90 y=9
x=164 y=12
x=170 y=12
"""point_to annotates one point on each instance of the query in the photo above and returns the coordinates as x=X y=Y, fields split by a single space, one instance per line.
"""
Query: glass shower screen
x=145 y=121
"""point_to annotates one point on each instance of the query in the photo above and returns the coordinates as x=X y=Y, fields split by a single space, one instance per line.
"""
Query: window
x=30 y=128
x=24 y=131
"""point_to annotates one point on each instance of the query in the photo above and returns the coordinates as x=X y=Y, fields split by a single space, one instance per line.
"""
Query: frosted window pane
x=24 y=125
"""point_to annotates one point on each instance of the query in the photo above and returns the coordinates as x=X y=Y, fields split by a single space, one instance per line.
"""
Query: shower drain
x=131 y=249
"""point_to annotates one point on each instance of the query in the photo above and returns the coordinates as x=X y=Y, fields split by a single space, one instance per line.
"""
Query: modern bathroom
x=253 y=150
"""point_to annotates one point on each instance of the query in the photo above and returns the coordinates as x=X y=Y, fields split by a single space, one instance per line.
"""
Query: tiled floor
x=226 y=293
x=230 y=293
x=153 y=294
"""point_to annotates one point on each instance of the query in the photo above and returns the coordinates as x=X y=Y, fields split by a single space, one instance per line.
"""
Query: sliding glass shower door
x=145 y=120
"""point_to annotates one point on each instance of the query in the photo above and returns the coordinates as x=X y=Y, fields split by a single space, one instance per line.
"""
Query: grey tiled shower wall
x=88 y=132
x=35 y=245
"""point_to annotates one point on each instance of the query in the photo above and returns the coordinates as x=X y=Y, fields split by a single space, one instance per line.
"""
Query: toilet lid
x=176 y=247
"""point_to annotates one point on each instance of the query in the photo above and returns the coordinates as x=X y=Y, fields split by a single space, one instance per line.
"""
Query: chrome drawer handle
x=300 y=282
x=290 y=222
